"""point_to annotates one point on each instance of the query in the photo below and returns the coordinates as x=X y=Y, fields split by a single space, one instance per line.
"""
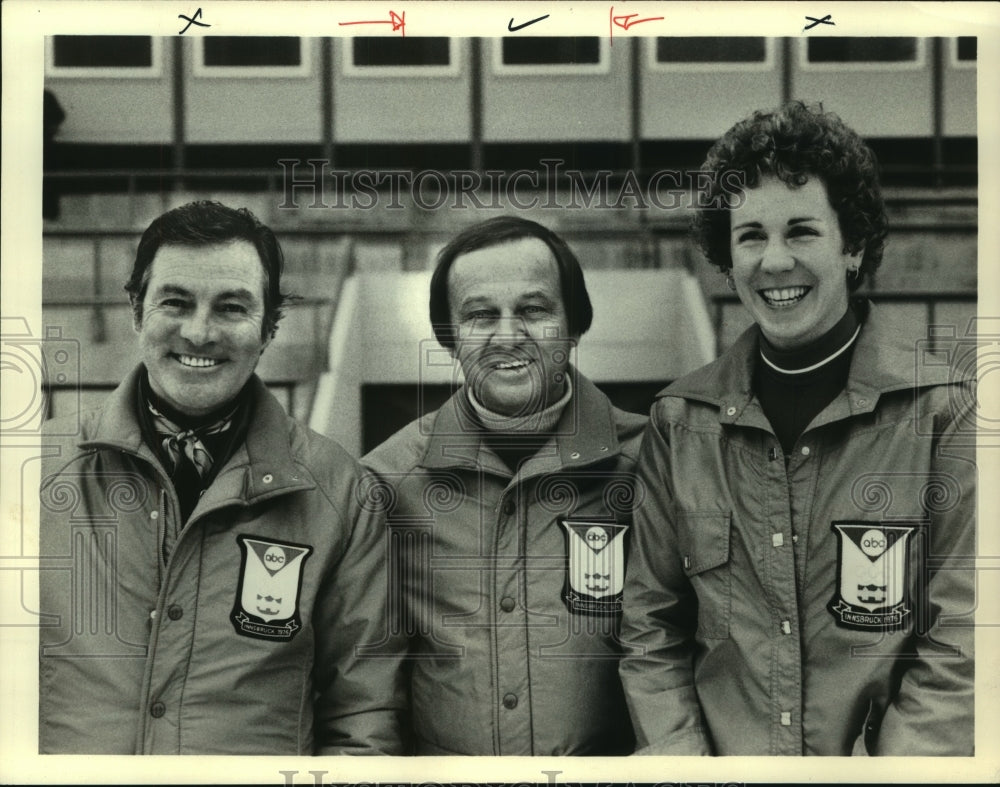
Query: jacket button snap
x=508 y=507
x=157 y=709
x=507 y=604
x=268 y=478
x=510 y=701
x=575 y=455
x=730 y=411
x=154 y=514
x=174 y=612
x=805 y=450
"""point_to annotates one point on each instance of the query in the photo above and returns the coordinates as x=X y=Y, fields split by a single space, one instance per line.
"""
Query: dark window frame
x=602 y=66
x=304 y=68
x=712 y=65
x=350 y=69
x=153 y=70
x=918 y=62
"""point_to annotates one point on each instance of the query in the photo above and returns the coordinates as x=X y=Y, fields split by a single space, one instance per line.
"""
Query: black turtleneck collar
x=817 y=351
x=807 y=378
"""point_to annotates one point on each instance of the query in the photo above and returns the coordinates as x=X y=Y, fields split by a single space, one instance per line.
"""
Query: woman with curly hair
x=799 y=577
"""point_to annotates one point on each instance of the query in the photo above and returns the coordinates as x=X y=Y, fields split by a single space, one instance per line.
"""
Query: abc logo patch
x=596 y=565
x=267 y=594
x=873 y=543
x=872 y=575
x=274 y=558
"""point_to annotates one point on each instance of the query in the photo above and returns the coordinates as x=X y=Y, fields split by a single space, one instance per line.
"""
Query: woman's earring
x=730 y=283
x=853 y=274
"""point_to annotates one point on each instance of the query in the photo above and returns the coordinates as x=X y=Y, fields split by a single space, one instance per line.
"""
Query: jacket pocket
x=704 y=544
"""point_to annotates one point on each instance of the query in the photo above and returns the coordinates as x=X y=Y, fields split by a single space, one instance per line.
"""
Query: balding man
x=510 y=507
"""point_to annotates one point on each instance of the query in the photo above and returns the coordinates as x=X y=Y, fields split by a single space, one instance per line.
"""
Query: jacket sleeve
x=660 y=615
x=933 y=711
x=360 y=693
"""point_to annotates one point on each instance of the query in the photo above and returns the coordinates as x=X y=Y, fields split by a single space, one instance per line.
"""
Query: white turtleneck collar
x=541 y=421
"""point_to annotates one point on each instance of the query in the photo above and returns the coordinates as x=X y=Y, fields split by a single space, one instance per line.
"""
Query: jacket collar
x=262 y=467
x=887 y=357
x=585 y=433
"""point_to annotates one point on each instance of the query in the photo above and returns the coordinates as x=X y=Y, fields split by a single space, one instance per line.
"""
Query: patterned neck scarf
x=187 y=442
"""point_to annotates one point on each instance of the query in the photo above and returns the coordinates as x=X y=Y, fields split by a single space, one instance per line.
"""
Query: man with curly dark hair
x=795 y=582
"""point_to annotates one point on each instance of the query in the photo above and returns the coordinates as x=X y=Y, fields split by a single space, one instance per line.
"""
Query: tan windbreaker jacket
x=514 y=636
x=825 y=607
x=243 y=640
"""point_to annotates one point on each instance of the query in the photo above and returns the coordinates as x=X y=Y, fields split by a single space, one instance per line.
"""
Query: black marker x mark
x=190 y=21
x=824 y=21
x=514 y=29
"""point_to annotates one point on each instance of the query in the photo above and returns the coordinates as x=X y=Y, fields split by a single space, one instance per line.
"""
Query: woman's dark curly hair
x=794 y=143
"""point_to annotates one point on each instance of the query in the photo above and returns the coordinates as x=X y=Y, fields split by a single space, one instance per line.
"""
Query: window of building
x=550 y=54
x=710 y=53
x=399 y=56
x=103 y=56
x=251 y=56
x=963 y=51
x=863 y=53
